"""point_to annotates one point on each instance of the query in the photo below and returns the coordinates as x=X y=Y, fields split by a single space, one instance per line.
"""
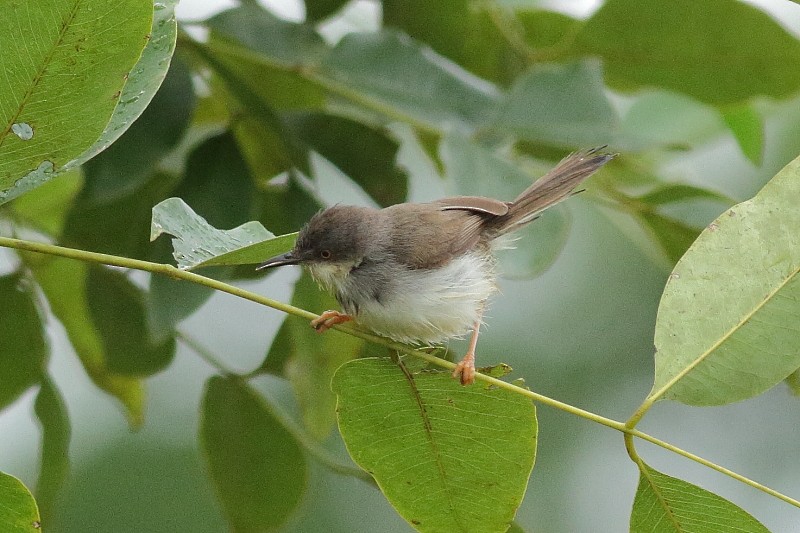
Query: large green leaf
x=132 y=159
x=64 y=284
x=561 y=105
x=258 y=469
x=66 y=65
x=18 y=511
x=727 y=322
x=56 y=430
x=199 y=244
x=23 y=348
x=665 y=504
x=448 y=457
x=697 y=48
x=309 y=360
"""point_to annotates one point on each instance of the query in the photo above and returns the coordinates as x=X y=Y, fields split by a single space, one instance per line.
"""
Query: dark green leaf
x=665 y=504
x=199 y=244
x=447 y=457
x=77 y=55
x=793 y=381
x=560 y=105
x=319 y=9
x=698 y=48
x=217 y=183
x=673 y=236
x=128 y=163
x=18 y=513
x=117 y=309
x=23 y=347
x=676 y=193
x=258 y=469
x=118 y=227
x=56 y=430
x=64 y=284
x=545 y=29
x=747 y=127
x=365 y=154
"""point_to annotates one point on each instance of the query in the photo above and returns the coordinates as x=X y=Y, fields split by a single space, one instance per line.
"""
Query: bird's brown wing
x=430 y=235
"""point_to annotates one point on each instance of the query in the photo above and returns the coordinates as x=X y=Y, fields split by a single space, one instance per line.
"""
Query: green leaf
x=727 y=322
x=747 y=127
x=18 y=513
x=561 y=105
x=171 y=300
x=46 y=208
x=463 y=31
x=143 y=80
x=673 y=236
x=476 y=171
x=257 y=467
x=696 y=48
x=368 y=157
x=198 y=244
x=64 y=284
x=23 y=347
x=119 y=226
x=309 y=360
x=117 y=309
x=217 y=182
x=793 y=381
x=447 y=457
x=131 y=160
x=665 y=504
x=56 y=430
x=396 y=76
x=676 y=193
x=320 y=9
x=69 y=62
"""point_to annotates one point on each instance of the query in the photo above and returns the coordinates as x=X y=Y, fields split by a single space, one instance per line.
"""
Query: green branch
x=175 y=273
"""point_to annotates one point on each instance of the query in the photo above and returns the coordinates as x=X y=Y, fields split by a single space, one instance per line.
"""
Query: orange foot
x=328 y=319
x=465 y=369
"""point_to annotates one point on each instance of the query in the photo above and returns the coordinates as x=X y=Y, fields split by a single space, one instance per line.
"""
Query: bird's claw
x=328 y=319
x=465 y=370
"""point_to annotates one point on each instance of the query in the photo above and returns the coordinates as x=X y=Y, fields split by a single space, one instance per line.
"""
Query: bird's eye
x=325 y=254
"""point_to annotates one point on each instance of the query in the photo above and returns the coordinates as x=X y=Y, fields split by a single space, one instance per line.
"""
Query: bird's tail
x=551 y=188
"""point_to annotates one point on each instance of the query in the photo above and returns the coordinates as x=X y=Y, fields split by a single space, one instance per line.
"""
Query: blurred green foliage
x=485 y=96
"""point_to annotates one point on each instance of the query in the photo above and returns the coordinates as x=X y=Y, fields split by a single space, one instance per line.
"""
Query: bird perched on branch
x=422 y=273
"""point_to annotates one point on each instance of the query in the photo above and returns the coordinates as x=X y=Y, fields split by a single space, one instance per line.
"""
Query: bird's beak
x=279 y=260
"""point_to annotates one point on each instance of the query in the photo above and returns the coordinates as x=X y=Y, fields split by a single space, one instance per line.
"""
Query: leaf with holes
x=66 y=63
x=665 y=504
x=727 y=323
x=447 y=457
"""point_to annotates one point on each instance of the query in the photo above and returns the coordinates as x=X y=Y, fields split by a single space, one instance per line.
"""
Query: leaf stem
x=169 y=270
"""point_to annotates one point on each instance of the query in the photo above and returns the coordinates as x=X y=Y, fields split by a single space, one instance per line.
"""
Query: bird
x=422 y=273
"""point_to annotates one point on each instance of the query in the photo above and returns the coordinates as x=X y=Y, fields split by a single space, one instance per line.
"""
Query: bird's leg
x=465 y=369
x=328 y=319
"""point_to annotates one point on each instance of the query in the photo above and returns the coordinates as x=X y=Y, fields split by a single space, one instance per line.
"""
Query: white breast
x=445 y=302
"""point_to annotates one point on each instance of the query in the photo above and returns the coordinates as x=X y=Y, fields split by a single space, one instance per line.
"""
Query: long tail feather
x=552 y=188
